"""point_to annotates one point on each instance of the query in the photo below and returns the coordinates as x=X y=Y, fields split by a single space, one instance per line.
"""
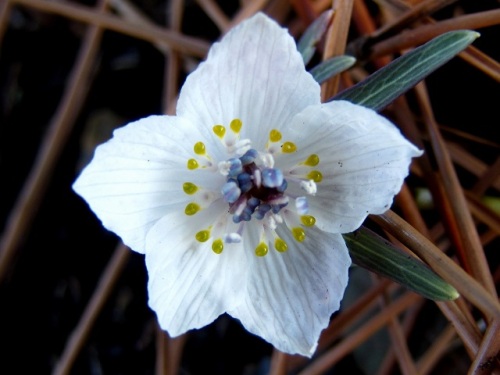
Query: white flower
x=240 y=200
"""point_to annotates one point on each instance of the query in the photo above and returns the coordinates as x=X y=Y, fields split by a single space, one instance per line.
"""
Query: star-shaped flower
x=239 y=201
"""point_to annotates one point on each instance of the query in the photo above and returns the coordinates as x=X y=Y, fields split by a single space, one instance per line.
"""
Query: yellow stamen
x=316 y=176
x=192 y=208
x=217 y=246
x=189 y=188
x=299 y=234
x=192 y=164
x=274 y=135
x=308 y=220
x=288 y=147
x=199 y=148
x=219 y=131
x=261 y=249
x=280 y=245
x=312 y=160
x=202 y=235
x=236 y=125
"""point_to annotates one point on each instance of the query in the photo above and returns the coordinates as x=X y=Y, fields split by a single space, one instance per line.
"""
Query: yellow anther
x=288 y=147
x=217 y=246
x=189 y=188
x=299 y=234
x=280 y=245
x=312 y=160
x=199 y=148
x=274 y=135
x=308 y=220
x=236 y=125
x=261 y=249
x=192 y=208
x=219 y=130
x=192 y=164
x=202 y=235
x=316 y=176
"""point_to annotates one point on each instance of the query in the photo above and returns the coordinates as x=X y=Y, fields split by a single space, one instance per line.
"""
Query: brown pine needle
x=488 y=355
x=213 y=11
x=351 y=341
x=352 y=314
x=56 y=136
x=247 y=11
x=399 y=344
x=278 y=363
x=435 y=352
x=173 y=61
x=305 y=11
x=487 y=178
x=466 y=330
x=5 y=8
x=101 y=294
x=168 y=352
x=471 y=163
x=466 y=237
x=413 y=14
x=336 y=40
x=468 y=287
x=422 y=34
x=484 y=214
x=182 y=43
x=482 y=62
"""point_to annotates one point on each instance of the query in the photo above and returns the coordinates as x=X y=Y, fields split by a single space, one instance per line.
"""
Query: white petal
x=255 y=74
x=291 y=296
x=363 y=158
x=189 y=285
x=137 y=177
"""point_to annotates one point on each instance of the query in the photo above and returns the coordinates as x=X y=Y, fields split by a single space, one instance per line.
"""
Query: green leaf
x=385 y=85
x=312 y=35
x=331 y=67
x=370 y=251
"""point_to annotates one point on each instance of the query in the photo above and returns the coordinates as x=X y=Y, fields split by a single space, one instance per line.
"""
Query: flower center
x=252 y=190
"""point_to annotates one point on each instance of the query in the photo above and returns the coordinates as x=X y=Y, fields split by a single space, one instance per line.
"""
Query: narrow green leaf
x=370 y=251
x=385 y=85
x=312 y=35
x=331 y=67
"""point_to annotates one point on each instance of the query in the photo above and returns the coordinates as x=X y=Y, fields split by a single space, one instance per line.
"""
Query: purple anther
x=302 y=205
x=239 y=206
x=249 y=157
x=253 y=202
x=235 y=167
x=230 y=191
x=275 y=208
x=261 y=211
x=249 y=209
x=257 y=177
x=272 y=178
x=245 y=182
x=283 y=186
x=245 y=216
x=231 y=238
x=282 y=199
